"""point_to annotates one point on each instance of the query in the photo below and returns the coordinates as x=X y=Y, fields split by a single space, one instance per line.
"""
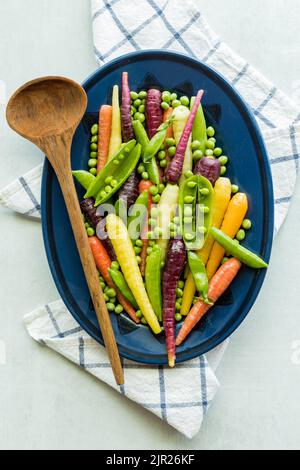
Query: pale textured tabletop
x=46 y=402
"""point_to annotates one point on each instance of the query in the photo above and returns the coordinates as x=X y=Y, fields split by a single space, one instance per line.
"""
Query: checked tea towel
x=122 y=26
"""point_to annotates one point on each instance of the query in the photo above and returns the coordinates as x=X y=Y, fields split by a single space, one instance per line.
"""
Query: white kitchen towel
x=122 y=26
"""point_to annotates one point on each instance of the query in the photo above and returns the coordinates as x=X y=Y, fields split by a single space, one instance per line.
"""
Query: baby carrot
x=105 y=118
x=103 y=264
x=217 y=286
x=232 y=222
x=116 y=133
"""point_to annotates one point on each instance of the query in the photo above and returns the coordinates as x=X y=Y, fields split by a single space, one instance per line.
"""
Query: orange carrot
x=103 y=263
x=217 y=286
x=105 y=119
x=145 y=185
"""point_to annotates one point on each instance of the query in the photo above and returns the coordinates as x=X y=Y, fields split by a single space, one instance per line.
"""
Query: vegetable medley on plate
x=165 y=225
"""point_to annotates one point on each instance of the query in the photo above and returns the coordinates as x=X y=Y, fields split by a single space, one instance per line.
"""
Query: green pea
x=165 y=105
x=210 y=145
x=163 y=163
x=95 y=129
x=223 y=160
x=150 y=235
x=204 y=209
x=192 y=184
x=189 y=199
x=223 y=170
x=111 y=293
x=224 y=260
x=188 y=220
x=172 y=234
x=142 y=108
x=154 y=212
x=241 y=235
x=134 y=96
x=178 y=306
x=132 y=110
x=138 y=259
x=87 y=225
x=94 y=147
x=114 y=183
x=152 y=244
x=144 y=321
x=119 y=309
x=180 y=284
x=196 y=145
x=197 y=155
x=139 y=243
x=93 y=171
x=158 y=231
x=236 y=242
x=92 y=163
x=141 y=117
x=247 y=224
x=176 y=220
x=184 y=100
x=152 y=223
x=179 y=300
x=179 y=292
x=103 y=194
x=218 y=151
x=136 y=116
x=178 y=317
x=121 y=156
x=170 y=142
x=106 y=298
x=137 y=103
x=137 y=250
x=189 y=237
x=173 y=96
x=156 y=199
x=172 y=151
x=154 y=190
x=108 y=189
x=175 y=103
x=102 y=284
x=110 y=307
x=94 y=154
x=141 y=169
x=188 y=174
x=166 y=96
x=188 y=211
x=204 y=191
x=94 y=139
x=161 y=188
x=139 y=314
x=149 y=250
x=145 y=175
x=161 y=155
x=234 y=188
x=202 y=230
x=115 y=265
x=116 y=162
x=209 y=153
x=108 y=180
x=90 y=231
x=210 y=131
x=142 y=94
x=172 y=227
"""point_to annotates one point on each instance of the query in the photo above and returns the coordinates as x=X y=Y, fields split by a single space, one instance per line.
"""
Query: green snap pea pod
x=153 y=280
x=120 y=174
x=195 y=202
x=156 y=142
x=113 y=169
x=142 y=138
x=119 y=281
x=137 y=215
x=198 y=271
x=85 y=178
x=199 y=127
x=242 y=254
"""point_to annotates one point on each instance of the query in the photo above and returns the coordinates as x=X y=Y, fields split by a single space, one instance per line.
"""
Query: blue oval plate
x=237 y=134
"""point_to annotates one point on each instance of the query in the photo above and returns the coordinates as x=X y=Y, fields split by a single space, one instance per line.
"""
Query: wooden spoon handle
x=70 y=196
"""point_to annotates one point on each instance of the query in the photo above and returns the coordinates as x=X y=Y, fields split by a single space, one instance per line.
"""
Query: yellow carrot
x=116 y=131
x=232 y=222
x=222 y=194
x=122 y=244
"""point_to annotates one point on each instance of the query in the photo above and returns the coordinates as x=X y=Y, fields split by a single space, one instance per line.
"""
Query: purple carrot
x=209 y=168
x=175 y=264
x=174 y=170
x=130 y=190
x=90 y=211
x=154 y=113
x=127 y=128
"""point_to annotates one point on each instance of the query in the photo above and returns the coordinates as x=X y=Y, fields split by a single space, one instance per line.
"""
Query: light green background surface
x=48 y=403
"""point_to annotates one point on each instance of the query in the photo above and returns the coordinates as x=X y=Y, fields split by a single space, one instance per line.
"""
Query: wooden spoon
x=47 y=112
